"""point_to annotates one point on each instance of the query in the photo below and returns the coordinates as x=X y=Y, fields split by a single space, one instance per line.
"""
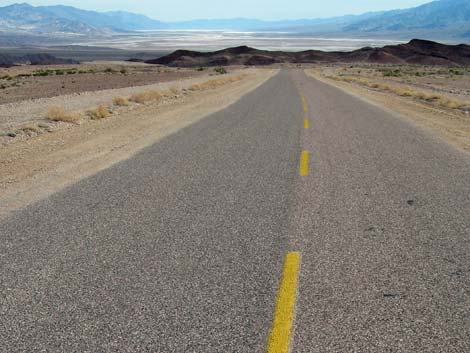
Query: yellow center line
x=304 y=157
x=306 y=124
x=305 y=107
x=280 y=336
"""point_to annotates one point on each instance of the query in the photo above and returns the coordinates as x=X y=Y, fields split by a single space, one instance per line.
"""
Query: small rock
x=11 y=134
x=410 y=202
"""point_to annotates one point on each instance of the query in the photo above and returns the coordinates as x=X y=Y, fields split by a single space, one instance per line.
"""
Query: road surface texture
x=181 y=248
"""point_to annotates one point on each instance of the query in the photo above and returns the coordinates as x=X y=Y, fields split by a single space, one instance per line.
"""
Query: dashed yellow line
x=280 y=336
x=305 y=107
x=304 y=159
x=306 y=124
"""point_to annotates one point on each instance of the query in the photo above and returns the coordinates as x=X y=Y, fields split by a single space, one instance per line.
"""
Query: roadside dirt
x=451 y=125
x=26 y=82
x=14 y=115
x=34 y=168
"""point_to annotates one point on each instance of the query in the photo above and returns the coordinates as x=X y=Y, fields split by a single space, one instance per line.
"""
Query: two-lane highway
x=299 y=216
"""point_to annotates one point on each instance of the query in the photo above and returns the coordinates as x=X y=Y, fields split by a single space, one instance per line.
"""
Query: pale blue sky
x=170 y=10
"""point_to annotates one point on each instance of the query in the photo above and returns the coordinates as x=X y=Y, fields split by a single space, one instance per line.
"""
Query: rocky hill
x=415 y=52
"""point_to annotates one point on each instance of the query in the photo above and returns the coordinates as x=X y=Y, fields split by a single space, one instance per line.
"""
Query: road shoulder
x=35 y=168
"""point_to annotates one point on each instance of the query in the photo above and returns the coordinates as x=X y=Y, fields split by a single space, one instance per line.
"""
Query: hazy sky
x=169 y=10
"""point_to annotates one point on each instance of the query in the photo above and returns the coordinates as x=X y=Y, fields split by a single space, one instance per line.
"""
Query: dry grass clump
x=452 y=103
x=57 y=113
x=98 y=113
x=146 y=96
x=171 y=92
x=215 y=83
x=30 y=129
x=120 y=101
x=442 y=101
x=174 y=90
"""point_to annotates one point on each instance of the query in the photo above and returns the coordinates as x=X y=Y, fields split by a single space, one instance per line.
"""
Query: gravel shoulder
x=15 y=114
x=37 y=167
x=29 y=82
x=450 y=125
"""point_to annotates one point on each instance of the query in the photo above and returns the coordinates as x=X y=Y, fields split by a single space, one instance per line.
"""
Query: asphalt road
x=181 y=248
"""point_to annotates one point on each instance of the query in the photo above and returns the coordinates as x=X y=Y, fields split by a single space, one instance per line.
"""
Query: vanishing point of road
x=300 y=218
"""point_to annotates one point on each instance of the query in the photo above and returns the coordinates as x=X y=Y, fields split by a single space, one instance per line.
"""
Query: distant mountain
x=7 y=60
x=60 y=18
x=67 y=19
x=254 y=24
x=26 y=18
x=444 y=15
x=442 y=19
x=415 y=52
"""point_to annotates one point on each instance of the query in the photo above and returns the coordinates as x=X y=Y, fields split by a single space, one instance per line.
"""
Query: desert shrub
x=455 y=72
x=442 y=101
x=200 y=69
x=99 y=112
x=451 y=103
x=29 y=129
x=59 y=72
x=174 y=90
x=121 y=101
x=392 y=73
x=109 y=70
x=42 y=73
x=3 y=86
x=146 y=96
x=220 y=70
x=212 y=84
x=60 y=114
x=123 y=71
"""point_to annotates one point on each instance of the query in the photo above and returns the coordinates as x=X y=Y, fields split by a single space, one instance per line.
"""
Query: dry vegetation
x=446 y=87
x=29 y=82
x=439 y=99
x=146 y=96
x=436 y=98
x=212 y=84
x=120 y=101
x=98 y=113
x=60 y=114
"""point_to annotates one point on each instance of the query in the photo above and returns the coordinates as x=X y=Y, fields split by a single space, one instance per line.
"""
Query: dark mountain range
x=415 y=52
x=7 y=60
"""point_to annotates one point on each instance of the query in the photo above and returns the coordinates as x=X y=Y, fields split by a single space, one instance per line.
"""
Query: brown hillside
x=415 y=52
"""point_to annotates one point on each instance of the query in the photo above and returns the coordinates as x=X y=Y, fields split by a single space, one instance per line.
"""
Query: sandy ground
x=450 y=81
x=13 y=115
x=36 y=167
x=452 y=125
x=18 y=83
